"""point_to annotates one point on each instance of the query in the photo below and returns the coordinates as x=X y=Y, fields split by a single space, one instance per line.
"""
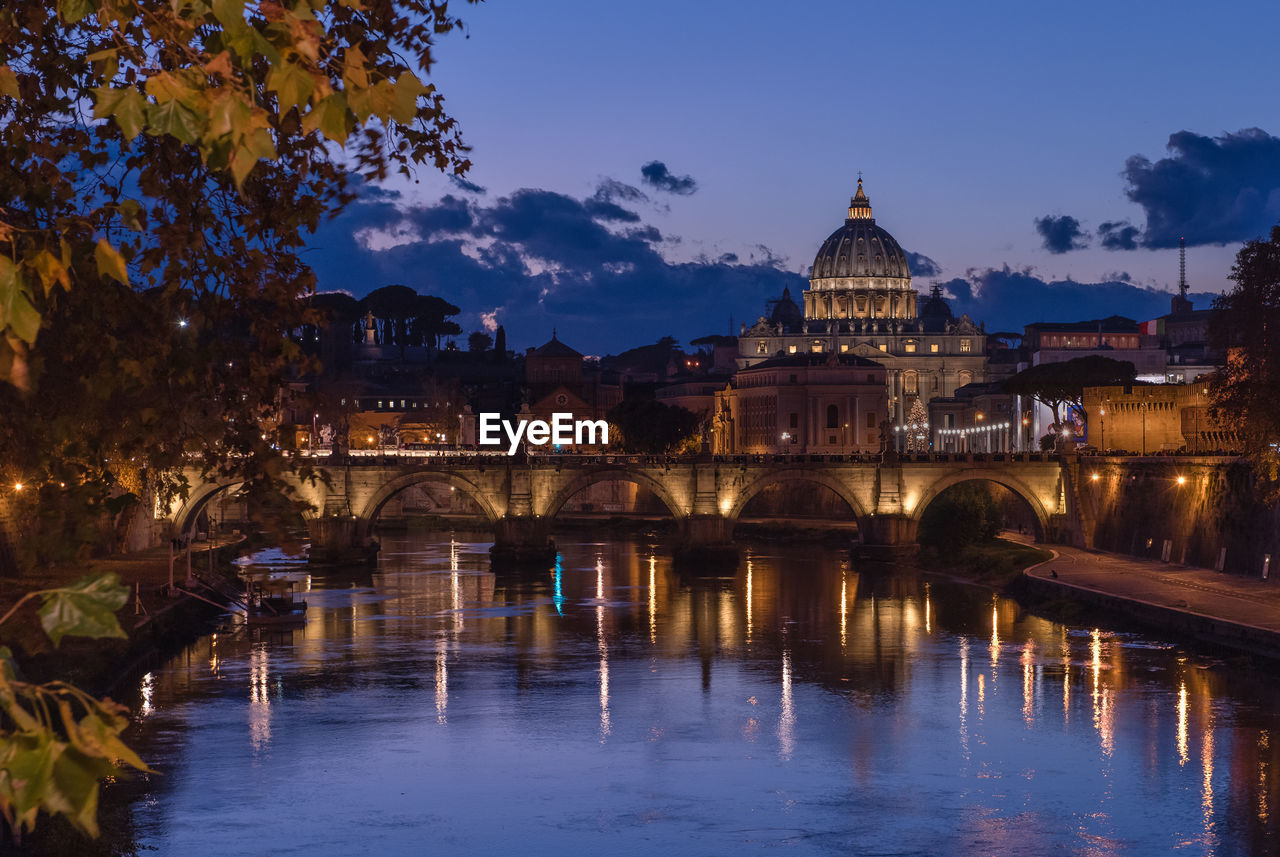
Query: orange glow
x=1182 y=480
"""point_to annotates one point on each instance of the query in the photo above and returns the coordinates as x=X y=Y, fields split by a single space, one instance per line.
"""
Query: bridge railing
x=471 y=458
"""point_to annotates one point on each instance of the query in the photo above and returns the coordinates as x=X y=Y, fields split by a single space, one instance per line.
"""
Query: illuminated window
x=910 y=383
x=966 y=345
x=911 y=348
x=816 y=348
x=933 y=348
x=762 y=347
x=791 y=349
x=844 y=348
x=884 y=346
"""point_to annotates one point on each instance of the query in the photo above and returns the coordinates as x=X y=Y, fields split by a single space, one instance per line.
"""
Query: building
x=826 y=403
x=1154 y=418
x=978 y=418
x=558 y=379
x=860 y=302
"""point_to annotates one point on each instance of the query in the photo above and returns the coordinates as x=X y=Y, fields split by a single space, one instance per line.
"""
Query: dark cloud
x=1118 y=235
x=655 y=173
x=1210 y=190
x=1007 y=299
x=587 y=266
x=1061 y=233
x=612 y=190
x=921 y=265
x=470 y=187
x=1117 y=277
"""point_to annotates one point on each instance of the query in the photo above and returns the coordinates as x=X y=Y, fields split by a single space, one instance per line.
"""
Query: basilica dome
x=860 y=249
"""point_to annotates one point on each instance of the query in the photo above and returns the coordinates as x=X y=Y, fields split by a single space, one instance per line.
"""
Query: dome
x=860 y=248
x=784 y=311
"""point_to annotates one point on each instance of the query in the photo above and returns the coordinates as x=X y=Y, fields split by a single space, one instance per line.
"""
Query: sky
x=663 y=168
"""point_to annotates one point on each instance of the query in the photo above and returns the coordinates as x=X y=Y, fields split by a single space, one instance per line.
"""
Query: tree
x=161 y=162
x=500 y=344
x=962 y=515
x=1060 y=386
x=1246 y=325
x=479 y=342
x=395 y=306
x=648 y=426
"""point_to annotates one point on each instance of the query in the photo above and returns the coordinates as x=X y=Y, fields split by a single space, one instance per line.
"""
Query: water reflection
x=611 y=697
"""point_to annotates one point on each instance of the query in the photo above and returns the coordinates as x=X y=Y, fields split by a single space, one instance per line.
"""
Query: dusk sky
x=656 y=168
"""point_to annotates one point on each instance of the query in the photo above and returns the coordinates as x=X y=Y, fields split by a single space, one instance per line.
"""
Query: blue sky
x=969 y=122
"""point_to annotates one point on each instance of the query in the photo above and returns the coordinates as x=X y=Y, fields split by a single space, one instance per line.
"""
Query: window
x=833 y=417
x=910 y=382
x=791 y=349
x=871 y=419
x=844 y=349
x=871 y=378
x=795 y=420
x=966 y=346
x=793 y=380
x=884 y=346
x=911 y=348
x=816 y=348
x=762 y=347
x=933 y=348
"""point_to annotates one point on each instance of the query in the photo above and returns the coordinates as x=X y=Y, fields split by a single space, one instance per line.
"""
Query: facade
x=559 y=380
x=860 y=303
x=978 y=418
x=1155 y=418
x=824 y=403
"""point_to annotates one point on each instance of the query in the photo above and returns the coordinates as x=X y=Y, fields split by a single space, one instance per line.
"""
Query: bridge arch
x=200 y=497
x=369 y=514
x=613 y=473
x=982 y=474
x=840 y=489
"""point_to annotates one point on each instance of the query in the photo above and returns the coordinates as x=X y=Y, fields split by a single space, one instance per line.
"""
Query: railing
x=474 y=458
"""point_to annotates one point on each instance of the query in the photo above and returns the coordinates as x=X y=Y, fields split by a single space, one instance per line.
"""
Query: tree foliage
x=1246 y=325
x=648 y=426
x=962 y=515
x=1060 y=386
x=161 y=164
x=58 y=742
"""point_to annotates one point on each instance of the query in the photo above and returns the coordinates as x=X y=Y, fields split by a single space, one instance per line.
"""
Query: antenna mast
x=1182 y=267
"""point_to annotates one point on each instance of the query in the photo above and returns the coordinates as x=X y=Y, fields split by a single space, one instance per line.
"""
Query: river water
x=803 y=706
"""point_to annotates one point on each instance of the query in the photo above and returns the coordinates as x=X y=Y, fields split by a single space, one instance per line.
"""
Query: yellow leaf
x=292 y=85
x=8 y=82
x=329 y=117
x=407 y=90
x=51 y=271
x=110 y=262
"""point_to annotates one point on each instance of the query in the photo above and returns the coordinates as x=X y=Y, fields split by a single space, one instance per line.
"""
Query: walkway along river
x=613 y=707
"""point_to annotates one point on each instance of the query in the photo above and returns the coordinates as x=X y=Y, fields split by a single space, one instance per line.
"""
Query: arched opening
x=798 y=497
x=426 y=500
x=966 y=508
x=611 y=493
x=227 y=510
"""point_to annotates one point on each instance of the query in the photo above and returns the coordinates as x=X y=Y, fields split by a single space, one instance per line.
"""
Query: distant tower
x=1181 y=304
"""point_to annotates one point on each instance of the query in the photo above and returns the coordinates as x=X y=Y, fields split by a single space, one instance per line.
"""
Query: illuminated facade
x=860 y=302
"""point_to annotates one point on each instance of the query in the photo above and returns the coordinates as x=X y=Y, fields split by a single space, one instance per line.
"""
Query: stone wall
x=1200 y=505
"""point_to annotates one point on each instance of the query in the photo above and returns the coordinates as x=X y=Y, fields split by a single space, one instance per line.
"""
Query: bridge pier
x=705 y=544
x=338 y=539
x=522 y=540
x=886 y=537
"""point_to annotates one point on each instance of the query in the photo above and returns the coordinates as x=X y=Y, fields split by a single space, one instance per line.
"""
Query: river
x=612 y=706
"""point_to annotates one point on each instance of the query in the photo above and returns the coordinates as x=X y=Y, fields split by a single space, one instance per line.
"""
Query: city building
x=1152 y=418
x=559 y=379
x=860 y=302
x=826 y=403
x=978 y=418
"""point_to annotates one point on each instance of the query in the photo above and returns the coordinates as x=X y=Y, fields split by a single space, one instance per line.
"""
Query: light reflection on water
x=611 y=706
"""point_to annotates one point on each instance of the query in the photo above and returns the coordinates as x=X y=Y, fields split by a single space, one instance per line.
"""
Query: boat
x=273 y=602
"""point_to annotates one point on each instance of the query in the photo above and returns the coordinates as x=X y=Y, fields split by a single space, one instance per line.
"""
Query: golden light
x=1182 y=480
x=369 y=439
x=1094 y=477
x=17 y=486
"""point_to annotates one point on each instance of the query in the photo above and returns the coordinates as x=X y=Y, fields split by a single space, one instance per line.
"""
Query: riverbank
x=153 y=620
x=1236 y=614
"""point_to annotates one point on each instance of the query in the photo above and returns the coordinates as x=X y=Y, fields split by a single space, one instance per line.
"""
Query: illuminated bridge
x=705 y=495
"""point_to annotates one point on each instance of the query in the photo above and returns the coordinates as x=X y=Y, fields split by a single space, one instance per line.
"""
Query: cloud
x=1061 y=234
x=590 y=267
x=1117 y=277
x=655 y=173
x=1210 y=190
x=468 y=186
x=1118 y=235
x=921 y=265
x=612 y=190
x=489 y=320
x=1009 y=299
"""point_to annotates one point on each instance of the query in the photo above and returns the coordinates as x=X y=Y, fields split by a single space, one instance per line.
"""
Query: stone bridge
x=704 y=494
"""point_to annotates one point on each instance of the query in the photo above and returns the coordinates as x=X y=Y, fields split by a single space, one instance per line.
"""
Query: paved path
x=1226 y=597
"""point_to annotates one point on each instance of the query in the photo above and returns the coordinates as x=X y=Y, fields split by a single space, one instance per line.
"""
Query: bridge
x=521 y=496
